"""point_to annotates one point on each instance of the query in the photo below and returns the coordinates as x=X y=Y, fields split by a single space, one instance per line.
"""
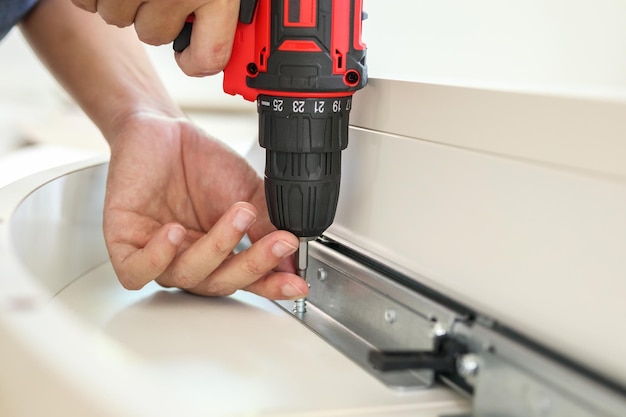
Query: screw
x=322 y=275
x=439 y=330
x=300 y=306
x=391 y=316
x=467 y=367
x=252 y=68
x=352 y=77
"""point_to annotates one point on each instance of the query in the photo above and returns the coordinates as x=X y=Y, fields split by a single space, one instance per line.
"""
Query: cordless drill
x=301 y=60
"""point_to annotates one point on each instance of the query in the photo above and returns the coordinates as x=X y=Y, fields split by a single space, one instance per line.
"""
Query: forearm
x=104 y=68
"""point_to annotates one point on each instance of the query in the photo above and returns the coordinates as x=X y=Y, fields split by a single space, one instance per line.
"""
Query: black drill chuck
x=303 y=138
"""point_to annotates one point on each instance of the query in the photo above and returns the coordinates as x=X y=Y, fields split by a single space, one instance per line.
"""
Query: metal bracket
x=358 y=310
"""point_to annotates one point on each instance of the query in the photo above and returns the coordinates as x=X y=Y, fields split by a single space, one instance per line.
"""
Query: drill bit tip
x=302 y=262
x=302 y=256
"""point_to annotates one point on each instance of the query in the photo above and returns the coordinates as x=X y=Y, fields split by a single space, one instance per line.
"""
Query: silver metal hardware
x=351 y=311
x=302 y=263
x=439 y=330
x=322 y=275
x=352 y=307
x=391 y=316
x=299 y=306
x=514 y=380
x=467 y=366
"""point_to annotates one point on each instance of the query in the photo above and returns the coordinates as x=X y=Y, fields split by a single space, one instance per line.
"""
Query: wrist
x=104 y=68
x=137 y=112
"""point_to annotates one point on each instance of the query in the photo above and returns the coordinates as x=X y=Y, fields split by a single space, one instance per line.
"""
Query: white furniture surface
x=76 y=343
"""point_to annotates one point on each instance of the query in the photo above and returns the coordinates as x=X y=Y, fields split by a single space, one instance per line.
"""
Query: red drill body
x=301 y=60
x=297 y=48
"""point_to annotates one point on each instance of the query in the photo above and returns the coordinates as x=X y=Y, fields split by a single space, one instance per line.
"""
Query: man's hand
x=158 y=22
x=177 y=201
x=177 y=204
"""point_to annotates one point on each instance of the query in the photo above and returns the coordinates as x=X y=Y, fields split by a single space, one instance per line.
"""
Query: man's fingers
x=211 y=39
x=279 y=286
x=143 y=265
x=120 y=13
x=207 y=254
x=87 y=5
x=247 y=267
x=159 y=23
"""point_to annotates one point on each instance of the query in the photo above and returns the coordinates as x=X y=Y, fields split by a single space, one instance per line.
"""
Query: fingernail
x=291 y=291
x=282 y=249
x=176 y=235
x=243 y=219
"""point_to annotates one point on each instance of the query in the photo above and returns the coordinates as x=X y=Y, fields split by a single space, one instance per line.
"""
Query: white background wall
x=561 y=47
x=34 y=110
x=573 y=46
x=511 y=202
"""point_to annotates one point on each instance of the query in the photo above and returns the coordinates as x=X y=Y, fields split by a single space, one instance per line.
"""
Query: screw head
x=252 y=69
x=439 y=330
x=352 y=78
x=467 y=366
x=391 y=316
x=322 y=275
